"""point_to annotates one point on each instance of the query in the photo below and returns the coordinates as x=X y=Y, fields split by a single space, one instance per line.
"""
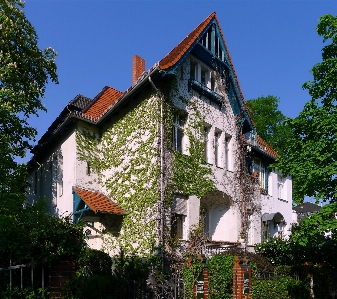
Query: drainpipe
x=161 y=168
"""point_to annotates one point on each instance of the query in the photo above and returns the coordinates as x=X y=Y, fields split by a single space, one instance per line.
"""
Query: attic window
x=212 y=83
x=193 y=70
x=203 y=77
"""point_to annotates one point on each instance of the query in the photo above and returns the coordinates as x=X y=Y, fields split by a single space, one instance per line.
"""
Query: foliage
x=34 y=236
x=24 y=73
x=191 y=272
x=128 y=149
x=312 y=240
x=270 y=123
x=311 y=153
x=27 y=293
x=281 y=288
x=220 y=271
x=127 y=279
x=278 y=250
x=94 y=261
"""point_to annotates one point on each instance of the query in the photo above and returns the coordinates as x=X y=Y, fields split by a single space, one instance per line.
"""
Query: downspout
x=161 y=168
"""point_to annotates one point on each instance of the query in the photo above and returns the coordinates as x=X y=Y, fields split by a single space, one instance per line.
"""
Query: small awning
x=98 y=202
x=277 y=217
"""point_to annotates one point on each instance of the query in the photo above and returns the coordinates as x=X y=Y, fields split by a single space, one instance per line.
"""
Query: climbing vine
x=125 y=163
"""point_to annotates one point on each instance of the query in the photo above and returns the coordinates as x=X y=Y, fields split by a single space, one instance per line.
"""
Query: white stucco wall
x=55 y=174
x=271 y=203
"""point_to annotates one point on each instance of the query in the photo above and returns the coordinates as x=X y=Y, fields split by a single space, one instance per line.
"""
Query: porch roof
x=98 y=202
x=277 y=217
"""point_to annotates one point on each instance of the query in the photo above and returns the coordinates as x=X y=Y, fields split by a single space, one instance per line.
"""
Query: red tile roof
x=98 y=202
x=172 y=58
x=262 y=145
x=267 y=147
x=104 y=100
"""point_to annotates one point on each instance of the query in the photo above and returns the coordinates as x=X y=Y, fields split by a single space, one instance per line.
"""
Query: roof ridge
x=175 y=54
x=94 y=100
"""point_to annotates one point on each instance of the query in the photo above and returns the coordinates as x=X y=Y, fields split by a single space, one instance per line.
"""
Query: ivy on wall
x=125 y=160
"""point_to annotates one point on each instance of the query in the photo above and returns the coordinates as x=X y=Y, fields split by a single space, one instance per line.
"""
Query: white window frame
x=280 y=187
x=259 y=167
x=217 y=148
x=227 y=141
x=193 y=70
x=178 y=226
x=178 y=134
x=207 y=129
x=204 y=76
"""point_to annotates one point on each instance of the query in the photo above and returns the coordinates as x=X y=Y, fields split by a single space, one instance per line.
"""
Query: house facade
x=176 y=151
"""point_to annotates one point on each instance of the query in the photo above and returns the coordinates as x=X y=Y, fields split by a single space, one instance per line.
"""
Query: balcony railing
x=204 y=90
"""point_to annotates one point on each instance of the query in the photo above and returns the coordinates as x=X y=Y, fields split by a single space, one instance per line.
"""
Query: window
x=204 y=215
x=212 y=83
x=177 y=226
x=193 y=70
x=260 y=169
x=280 y=186
x=88 y=169
x=177 y=133
x=203 y=77
x=206 y=140
x=227 y=158
x=181 y=73
x=217 y=151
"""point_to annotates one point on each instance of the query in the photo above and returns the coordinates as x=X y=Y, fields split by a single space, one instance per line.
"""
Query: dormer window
x=203 y=77
x=193 y=70
x=212 y=83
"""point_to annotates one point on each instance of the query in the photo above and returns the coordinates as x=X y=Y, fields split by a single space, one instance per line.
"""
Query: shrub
x=220 y=270
x=95 y=262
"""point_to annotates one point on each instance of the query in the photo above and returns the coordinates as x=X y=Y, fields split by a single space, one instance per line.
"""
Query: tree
x=311 y=153
x=24 y=73
x=270 y=122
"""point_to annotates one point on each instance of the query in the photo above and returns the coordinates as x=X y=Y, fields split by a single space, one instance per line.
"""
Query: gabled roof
x=109 y=97
x=102 y=102
x=307 y=207
x=178 y=52
x=98 y=202
x=173 y=57
x=266 y=147
x=260 y=145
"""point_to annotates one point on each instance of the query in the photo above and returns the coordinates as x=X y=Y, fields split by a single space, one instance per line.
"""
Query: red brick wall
x=138 y=67
x=206 y=285
x=241 y=267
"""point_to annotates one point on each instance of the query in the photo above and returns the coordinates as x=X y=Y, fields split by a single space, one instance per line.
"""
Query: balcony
x=204 y=90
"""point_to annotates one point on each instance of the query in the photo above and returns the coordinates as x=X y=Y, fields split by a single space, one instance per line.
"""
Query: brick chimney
x=138 y=67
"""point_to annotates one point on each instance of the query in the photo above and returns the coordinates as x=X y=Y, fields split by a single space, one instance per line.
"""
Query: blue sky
x=273 y=44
